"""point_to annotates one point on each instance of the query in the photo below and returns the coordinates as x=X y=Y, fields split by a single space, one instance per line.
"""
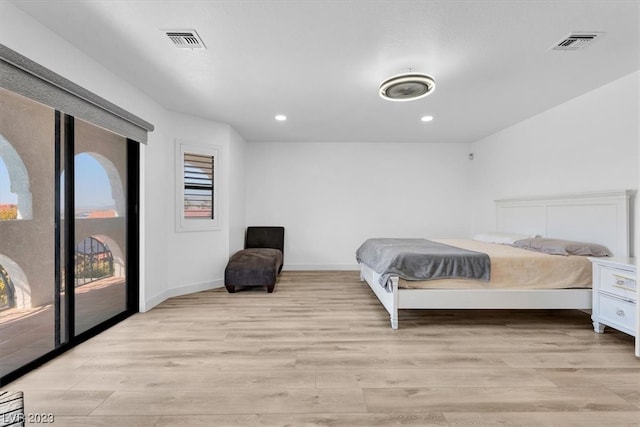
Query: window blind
x=198 y=186
x=27 y=78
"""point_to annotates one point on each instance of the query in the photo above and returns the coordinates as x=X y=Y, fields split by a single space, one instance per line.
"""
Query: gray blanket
x=422 y=259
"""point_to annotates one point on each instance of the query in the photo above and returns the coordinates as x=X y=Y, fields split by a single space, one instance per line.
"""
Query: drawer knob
x=620 y=312
x=620 y=282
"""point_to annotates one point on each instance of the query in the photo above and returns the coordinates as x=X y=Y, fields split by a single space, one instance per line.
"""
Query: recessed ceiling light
x=281 y=117
x=426 y=118
x=407 y=87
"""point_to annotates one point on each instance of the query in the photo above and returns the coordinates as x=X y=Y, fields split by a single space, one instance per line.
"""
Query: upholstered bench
x=259 y=263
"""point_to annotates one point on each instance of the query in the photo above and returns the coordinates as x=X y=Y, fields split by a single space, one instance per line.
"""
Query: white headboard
x=599 y=217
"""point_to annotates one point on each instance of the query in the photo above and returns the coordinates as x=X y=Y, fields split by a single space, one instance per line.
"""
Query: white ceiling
x=320 y=62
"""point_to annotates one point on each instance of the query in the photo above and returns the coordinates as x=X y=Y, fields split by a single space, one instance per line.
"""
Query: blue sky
x=93 y=189
x=6 y=196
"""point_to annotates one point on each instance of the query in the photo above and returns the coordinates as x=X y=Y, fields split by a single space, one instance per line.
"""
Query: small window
x=197 y=190
x=198 y=186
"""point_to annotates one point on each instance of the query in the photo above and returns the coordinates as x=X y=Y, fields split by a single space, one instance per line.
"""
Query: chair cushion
x=256 y=266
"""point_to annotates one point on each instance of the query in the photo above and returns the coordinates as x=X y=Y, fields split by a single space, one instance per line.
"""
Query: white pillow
x=501 y=238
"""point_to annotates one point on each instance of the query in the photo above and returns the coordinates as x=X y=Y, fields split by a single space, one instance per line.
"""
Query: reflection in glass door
x=100 y=167
x=27 y=231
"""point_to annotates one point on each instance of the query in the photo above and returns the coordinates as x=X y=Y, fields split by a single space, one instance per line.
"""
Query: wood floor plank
x=51 y=379
x=449 y=399
x=374 y=361
x=232 y=401
x=546 y=419
x=107 y=421
x=307 y=420
x=203 y=359
x=196 y=379
x=630 y=394
x=593 y=377
x=622 y=359
x=63 y=402
x=443 y=377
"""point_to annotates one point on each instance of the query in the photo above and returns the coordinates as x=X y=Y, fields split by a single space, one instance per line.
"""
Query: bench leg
x=270 y=288
x=230 y=288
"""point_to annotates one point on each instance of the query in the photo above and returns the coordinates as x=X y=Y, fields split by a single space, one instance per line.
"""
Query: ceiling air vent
x=575 y=41
x=185 y=39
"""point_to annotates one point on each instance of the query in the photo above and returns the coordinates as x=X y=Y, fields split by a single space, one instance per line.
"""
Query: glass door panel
x=100 y=167
x=27 y=231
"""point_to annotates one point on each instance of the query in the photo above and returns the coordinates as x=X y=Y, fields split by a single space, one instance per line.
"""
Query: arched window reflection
x=15 y=196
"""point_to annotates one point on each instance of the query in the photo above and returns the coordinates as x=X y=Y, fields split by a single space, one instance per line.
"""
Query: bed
x=597 y=217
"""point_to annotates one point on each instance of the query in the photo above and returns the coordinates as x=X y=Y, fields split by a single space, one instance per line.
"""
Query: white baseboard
x=182 y=290
x=321 y=267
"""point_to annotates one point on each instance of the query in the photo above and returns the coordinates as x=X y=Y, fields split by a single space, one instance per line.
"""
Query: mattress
x=515 y=268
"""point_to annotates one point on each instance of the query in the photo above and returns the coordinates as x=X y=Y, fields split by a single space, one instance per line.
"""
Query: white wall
x=197 y=258
x=588 y=143
x=237 y=192
x=170 y=264
x=330 y=197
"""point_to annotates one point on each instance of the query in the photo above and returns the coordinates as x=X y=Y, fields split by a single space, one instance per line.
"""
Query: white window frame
x=190 y=224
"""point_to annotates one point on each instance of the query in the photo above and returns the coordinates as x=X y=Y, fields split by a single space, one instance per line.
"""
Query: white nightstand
x=615 y=295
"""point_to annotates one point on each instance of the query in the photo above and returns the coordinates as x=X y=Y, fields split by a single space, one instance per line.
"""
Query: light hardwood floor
x=319 y=352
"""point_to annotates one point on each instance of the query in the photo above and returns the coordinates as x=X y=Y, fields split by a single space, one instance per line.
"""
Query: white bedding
x=515 y=268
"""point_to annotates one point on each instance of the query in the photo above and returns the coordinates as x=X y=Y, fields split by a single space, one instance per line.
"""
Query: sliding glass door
x=68 y=231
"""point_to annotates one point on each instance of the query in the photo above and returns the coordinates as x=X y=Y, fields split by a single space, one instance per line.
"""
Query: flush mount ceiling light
x=281 y=117
x=407 y=87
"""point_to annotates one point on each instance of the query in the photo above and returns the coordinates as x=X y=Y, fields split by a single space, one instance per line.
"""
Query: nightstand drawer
x=617 y=313
x=618 y=282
